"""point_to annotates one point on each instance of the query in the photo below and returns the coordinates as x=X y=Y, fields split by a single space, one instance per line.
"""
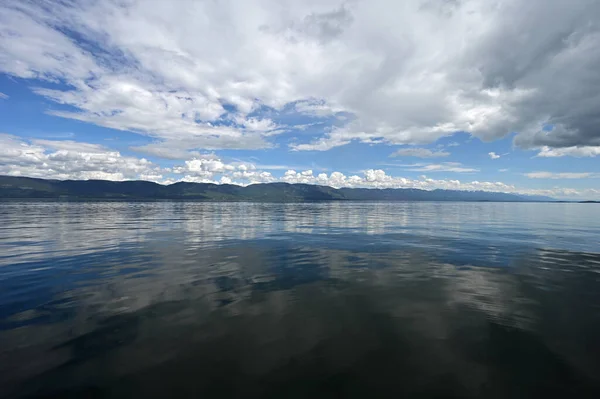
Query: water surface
x=220 y=300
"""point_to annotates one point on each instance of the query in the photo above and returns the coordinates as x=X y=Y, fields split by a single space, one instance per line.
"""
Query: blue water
x=188 y=299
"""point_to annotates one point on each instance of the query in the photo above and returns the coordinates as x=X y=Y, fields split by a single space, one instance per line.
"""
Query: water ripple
x=106 y=296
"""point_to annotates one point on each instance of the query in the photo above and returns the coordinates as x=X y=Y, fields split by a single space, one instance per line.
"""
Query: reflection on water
x=217 y=300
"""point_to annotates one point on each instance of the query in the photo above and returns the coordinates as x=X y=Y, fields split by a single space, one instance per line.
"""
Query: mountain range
x=26 y=187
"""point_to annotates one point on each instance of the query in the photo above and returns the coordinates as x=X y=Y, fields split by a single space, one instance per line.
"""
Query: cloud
x=70 y=160
x=564 y=175
x=69 y=145
x=403 y=72
x=67 y=159
x=204 y=167
x=55 y=135
x=579 y=152
x=455 y=167
x=3 y=96
x=419 y=153
x=377 y=178
x=493 y=155
x=186 y=147
x=275 y=167
x=503 y=170
x=315 y=107
x=331 y=140
x=209 y=168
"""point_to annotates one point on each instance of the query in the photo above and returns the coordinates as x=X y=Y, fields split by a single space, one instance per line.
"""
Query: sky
x=496 y=95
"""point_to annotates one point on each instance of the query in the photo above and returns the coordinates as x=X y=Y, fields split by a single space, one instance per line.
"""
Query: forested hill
x=25 y=187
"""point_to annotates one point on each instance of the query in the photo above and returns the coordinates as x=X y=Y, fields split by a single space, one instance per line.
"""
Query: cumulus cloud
x=204 y=167
x=493 y=155
x=211 y=169
x=420 y=153
x=70 y=160
x=404 y=72
x=335 y=179
x=378 y=178
x=562 y=175
x=67 y=159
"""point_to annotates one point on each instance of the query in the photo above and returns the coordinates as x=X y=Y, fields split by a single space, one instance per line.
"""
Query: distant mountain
x=25 y=187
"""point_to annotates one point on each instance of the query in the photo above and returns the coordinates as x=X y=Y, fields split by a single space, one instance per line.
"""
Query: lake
x=365 y=300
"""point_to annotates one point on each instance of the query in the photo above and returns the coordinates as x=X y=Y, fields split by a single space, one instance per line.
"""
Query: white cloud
x=503 y=170
x=275 y=167
x=441 y=167
x=70 y=160
x=3 y=96
x=562 y=175
x=211 y=169
x=74 y=160
x=420 y=153
x=206 y=167
x=334 y=139
x=493 y=155
x=254 y=176
x=67 y=159
x=315 y=107
x=69 y=145
x=195 y=75
x=579 y=152
x=377 y=178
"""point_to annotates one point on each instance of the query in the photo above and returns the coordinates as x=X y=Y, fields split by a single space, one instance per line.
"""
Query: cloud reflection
x=110 y=294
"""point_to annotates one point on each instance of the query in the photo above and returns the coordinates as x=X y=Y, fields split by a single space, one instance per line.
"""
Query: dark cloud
x=550 y=51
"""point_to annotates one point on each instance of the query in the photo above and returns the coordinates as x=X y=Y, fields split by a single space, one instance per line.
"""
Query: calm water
x=481 y=300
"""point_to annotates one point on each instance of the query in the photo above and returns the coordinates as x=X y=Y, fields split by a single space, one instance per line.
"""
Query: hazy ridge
x=25 y=187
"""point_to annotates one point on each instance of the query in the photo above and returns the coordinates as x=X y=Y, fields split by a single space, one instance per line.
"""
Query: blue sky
x=425 y=94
